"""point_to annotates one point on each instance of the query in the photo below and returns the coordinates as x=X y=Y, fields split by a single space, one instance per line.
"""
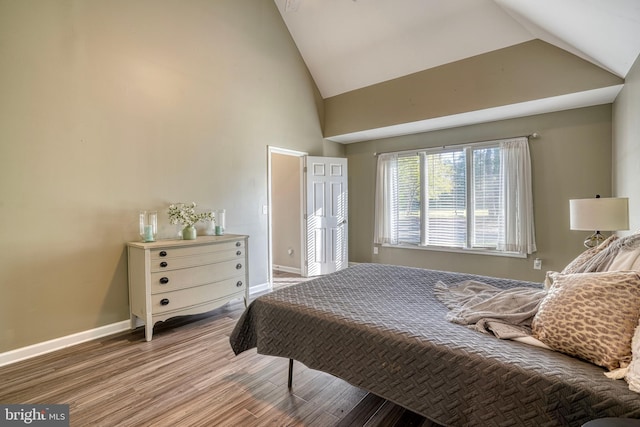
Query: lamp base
x=594 y=240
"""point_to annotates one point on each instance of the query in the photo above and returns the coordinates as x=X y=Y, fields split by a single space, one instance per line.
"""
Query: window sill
x=456 y=250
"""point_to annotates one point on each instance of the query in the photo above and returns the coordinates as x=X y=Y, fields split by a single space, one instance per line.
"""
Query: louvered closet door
x=326 y=228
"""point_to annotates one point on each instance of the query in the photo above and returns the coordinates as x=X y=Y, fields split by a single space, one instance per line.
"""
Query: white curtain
x=386 y=200
x=519 y=231
x=518 y=199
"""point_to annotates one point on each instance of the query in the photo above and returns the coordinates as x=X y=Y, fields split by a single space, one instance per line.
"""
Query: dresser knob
x=239 y=284
x=163 y=264
x=238 y=266
x=239 y=253
x=164 y=280
x=164 y=301
x=238 y=244
x=163 y=253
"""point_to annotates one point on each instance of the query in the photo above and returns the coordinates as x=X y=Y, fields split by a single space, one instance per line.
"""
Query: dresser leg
x=148 y=331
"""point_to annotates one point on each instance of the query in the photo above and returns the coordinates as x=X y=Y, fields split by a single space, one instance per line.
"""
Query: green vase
x=189 y=233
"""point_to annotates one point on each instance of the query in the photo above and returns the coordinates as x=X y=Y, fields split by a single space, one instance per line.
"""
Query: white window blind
x=471 y=197
x=408 y=224
x=488 y=198
x=445 y=176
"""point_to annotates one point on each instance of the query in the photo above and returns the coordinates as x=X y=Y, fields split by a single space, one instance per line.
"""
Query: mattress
x=380 y=328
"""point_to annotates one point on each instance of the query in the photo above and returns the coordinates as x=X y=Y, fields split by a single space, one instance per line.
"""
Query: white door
x=325 y=215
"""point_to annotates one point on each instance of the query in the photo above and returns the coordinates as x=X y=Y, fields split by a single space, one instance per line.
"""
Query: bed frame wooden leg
x=290 y=380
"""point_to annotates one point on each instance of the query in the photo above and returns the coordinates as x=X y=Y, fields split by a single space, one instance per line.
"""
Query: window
x=475 y=197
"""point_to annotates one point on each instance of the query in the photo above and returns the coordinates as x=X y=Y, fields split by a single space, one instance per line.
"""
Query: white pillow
x=626 y=260
x=628 y=256
x=633 y=373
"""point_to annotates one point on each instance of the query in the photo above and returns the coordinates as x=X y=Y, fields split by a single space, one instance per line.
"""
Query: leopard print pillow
x=591 y=316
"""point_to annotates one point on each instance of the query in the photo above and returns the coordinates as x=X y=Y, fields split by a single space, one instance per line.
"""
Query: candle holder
x=220 y=222
x=148 y=225
x=210 y=224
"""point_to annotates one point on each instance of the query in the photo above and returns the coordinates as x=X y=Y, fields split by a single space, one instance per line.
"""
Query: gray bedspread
x=380 y=328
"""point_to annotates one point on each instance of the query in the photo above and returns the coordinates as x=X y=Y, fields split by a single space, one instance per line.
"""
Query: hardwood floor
x=188 y=376
x=283 y=279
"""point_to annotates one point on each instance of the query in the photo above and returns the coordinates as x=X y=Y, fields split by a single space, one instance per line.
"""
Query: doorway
x=285 y=201
x=307 y=213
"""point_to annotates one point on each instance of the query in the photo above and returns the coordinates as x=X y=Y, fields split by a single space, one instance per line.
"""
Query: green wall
x=109 y=107
x=626 y=146
x=570 y=159
x=528 y=71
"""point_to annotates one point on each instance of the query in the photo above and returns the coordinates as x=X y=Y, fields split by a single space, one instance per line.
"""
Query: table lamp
x=599 y=214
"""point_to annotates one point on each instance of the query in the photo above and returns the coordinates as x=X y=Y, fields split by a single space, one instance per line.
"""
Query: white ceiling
x=350 y=44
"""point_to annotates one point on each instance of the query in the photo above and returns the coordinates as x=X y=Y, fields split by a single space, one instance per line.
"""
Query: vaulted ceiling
x=352 y=44
x=349 y=44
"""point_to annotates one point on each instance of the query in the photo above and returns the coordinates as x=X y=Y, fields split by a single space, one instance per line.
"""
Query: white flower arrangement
x=186 y=215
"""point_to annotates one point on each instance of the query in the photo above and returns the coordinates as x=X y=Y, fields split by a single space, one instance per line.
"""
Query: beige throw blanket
x=505 y=313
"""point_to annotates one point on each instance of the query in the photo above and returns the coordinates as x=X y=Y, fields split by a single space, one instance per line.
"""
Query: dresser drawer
x=171 y=252
x=175 y=262
x=164 y=281
x=176 y=300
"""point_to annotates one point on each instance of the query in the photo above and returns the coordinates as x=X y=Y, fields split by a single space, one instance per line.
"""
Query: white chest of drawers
x=169 y=278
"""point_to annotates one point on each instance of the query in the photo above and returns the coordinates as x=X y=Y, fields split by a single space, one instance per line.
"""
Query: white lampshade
x=599 y=214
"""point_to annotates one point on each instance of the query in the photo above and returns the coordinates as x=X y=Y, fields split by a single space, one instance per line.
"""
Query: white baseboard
x=34 y=350
x=260 y=289
x=286 y=269
x=45 y=347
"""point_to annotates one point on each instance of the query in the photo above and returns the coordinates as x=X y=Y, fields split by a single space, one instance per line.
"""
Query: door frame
x=287 y=152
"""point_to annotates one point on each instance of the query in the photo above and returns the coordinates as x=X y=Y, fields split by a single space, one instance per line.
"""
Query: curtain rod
x=533 y=135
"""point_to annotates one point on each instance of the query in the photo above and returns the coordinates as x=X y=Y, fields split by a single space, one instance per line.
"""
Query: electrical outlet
x=537 y=264
x=375 y=250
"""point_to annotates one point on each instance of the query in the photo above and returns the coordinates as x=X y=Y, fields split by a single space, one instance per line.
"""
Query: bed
x=380 y=328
